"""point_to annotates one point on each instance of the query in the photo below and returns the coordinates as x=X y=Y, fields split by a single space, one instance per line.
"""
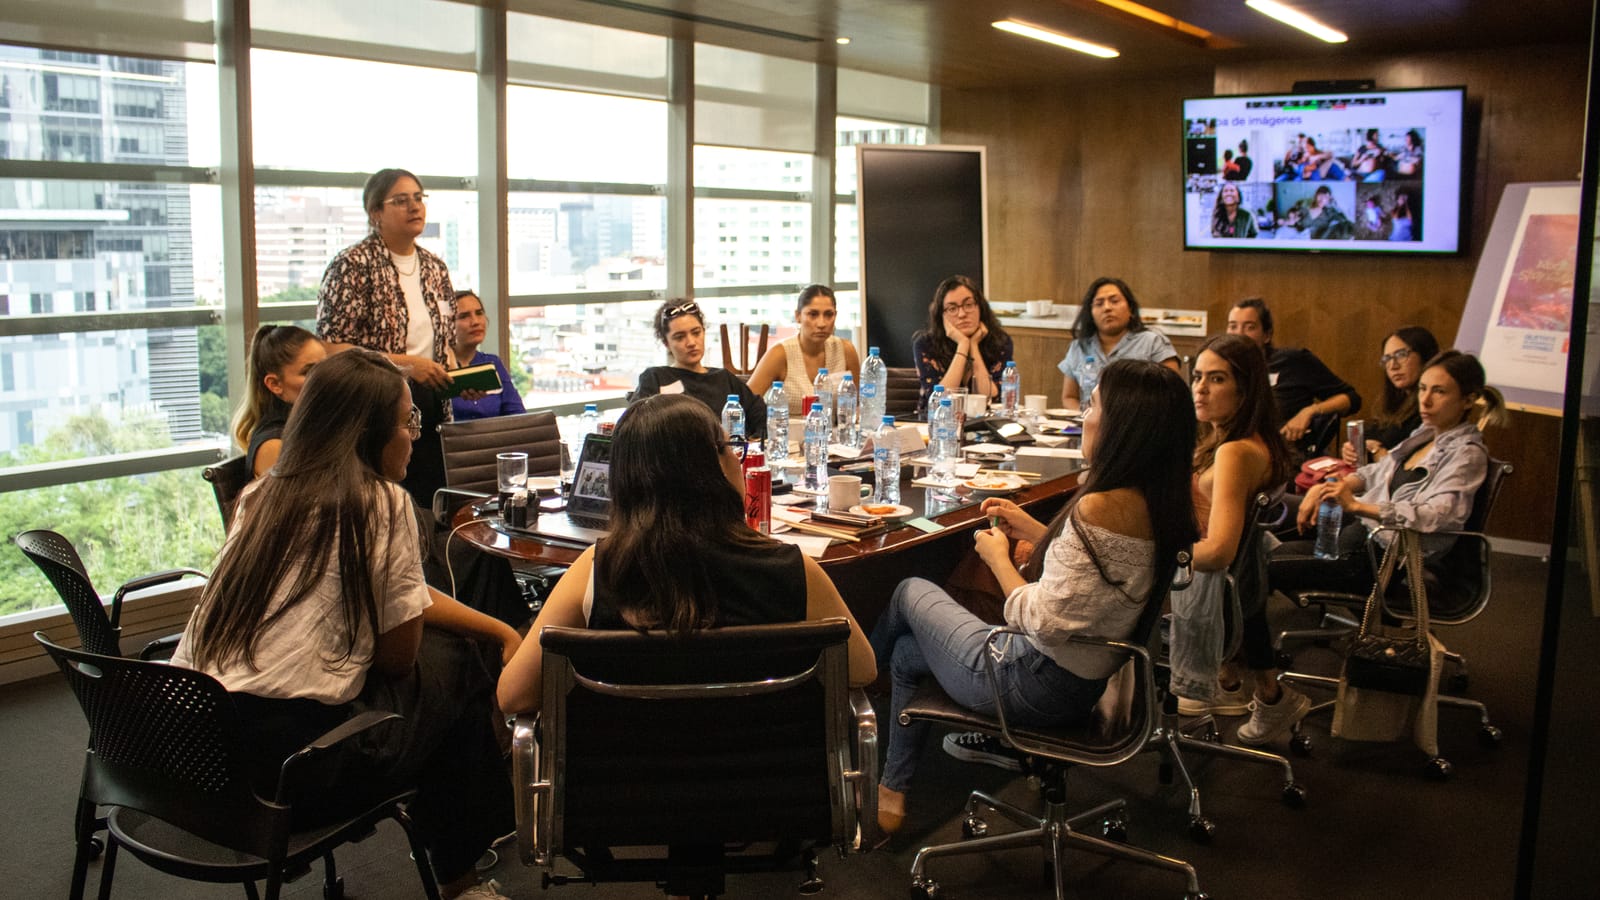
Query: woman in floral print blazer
x=390 y=295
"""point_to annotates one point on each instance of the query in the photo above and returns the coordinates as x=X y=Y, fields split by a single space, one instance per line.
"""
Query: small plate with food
x=881 y=510
x=990 y=483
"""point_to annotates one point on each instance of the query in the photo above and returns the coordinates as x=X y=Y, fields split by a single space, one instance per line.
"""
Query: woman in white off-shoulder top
x=1092 y=572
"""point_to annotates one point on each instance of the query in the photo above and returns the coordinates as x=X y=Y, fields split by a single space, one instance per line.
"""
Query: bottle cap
x=816 y=407
x=847 y=377
x=778 y=385
x=733 y=398
x=823 y=370
x=872 y=351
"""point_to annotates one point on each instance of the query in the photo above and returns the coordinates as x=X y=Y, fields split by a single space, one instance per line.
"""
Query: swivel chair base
x=1055 y=832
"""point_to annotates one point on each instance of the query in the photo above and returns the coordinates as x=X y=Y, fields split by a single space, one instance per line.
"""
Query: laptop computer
x=588 y=512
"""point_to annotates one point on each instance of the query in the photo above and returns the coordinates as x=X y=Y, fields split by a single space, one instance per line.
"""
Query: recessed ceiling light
x=1297 y=19
x=1057 y=38
x=841 y=40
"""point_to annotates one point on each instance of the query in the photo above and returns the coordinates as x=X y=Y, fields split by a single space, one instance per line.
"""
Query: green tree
x=215 y=413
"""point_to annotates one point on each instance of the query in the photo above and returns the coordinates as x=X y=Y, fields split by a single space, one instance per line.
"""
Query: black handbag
x=1393 y=660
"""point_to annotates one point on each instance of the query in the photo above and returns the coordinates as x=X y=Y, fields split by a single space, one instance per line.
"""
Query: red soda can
x=757 y=490
x=805 y=406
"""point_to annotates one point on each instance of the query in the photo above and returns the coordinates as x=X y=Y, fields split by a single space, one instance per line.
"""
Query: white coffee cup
x=976 y=405
x=1041 y=308
x=844 y=491
x=1034 y=403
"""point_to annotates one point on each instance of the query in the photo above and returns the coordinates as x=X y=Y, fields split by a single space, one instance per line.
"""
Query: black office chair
x=728 y=737
x=903 y=391
x=99 y=629
x=1051 y=752
x=166 y=754
x=1245 y=576
x=228 y=478
x=470 y=447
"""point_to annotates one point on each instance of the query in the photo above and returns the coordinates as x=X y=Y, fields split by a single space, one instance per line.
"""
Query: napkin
x=1057 y=452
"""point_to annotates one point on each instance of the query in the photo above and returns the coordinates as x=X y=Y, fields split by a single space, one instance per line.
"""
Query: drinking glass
x=511 y=471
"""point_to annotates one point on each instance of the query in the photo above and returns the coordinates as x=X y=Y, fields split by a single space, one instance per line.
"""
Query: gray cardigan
x=1440 y=501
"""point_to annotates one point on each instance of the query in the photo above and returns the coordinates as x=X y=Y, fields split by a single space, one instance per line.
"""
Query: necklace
x=415 y=262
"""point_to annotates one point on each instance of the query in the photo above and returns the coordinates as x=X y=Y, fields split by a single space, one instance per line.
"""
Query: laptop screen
x=591 y=483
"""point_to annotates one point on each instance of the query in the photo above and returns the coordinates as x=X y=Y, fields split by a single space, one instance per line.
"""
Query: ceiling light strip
x=1057 y=38
x=1297 y=19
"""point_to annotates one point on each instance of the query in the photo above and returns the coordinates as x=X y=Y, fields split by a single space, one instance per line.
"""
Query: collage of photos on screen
x=1362 y=184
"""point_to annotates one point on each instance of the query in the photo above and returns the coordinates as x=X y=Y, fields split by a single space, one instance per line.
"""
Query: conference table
x=867 y=570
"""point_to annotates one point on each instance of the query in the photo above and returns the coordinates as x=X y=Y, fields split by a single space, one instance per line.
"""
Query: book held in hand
x=474 y=378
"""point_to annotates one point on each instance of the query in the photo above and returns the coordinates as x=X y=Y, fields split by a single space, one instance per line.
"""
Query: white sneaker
x=483 y=890
x=1270 y=721
x=1223 y=703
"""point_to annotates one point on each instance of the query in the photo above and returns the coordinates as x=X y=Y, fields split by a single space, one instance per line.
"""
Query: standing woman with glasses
x=963 y=347
x=389 y=295
x=797 y=359
x=681 y=328
x=1405 y=351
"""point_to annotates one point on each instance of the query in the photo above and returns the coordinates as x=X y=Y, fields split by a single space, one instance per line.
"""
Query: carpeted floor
x=1373 y=827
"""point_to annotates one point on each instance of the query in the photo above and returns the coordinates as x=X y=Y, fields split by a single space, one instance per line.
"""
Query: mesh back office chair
x=227 y=478
x=166 y=754
x=1458 y=589
x=1051 y=753
x=728 y=736
x=745 y=366
x=100 y=632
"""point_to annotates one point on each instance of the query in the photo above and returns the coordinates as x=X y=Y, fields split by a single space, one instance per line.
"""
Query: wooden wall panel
x=1083 y=181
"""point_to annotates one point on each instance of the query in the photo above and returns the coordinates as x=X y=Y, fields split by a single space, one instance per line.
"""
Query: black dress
x=270 y=428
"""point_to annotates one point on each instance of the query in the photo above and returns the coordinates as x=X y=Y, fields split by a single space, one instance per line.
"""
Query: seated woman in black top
x=680 y=556
x=681 y=328
x=280 y=358
x=1405 y=350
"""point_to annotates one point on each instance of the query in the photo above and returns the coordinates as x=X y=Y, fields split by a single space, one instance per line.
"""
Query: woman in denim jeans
x=1092 y=571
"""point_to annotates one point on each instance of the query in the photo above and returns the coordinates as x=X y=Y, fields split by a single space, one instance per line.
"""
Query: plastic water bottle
x=886 y=463
x=1330 y=517
x=934 y=398
x=1010 y=388
x=733 y=419
x=816 y=446
x=874 y=388
x=1087 y=380
x=849 y=428
x=777 y=424
x=588 y=423
x=944 y=447
x=823 y=390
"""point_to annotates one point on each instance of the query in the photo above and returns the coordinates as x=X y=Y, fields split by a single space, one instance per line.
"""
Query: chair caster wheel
x=1300 y=744
x=96 y=847
x=1294 y=795
x=927 y=889
x=1490 y=736
x=1439 y=769
x=1114 y=830
x=334 y=891
x=1201 y=830
x=973 y=827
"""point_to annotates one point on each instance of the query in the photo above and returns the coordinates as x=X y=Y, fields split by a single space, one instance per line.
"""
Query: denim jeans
x=925 y=632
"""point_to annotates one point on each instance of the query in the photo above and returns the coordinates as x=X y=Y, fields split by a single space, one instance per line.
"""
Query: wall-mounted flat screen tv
x=1356 y=172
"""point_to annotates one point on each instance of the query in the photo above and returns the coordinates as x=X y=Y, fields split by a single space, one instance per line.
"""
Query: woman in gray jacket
x=1427 y=482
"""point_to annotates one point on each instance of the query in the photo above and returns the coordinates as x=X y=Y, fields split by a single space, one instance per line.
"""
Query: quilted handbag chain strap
x=1407 y=543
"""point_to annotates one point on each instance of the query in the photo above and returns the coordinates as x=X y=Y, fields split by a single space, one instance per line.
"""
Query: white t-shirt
x=299 y=656
x=419 y=325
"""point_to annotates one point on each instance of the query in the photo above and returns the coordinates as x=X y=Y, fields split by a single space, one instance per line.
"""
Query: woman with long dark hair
x=796 y=360
x=679 y=556
x=963 y=347
x=1240 y=452
x=1093 y=570
x=1405 y=351
x=316 y=610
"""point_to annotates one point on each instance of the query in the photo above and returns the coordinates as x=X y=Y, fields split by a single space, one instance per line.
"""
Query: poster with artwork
x=1519 y=315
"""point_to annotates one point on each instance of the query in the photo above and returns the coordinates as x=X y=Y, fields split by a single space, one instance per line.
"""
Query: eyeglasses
x=413 y=423
x=1399 y=356
x=958 y=308
x=403 y=200
x=690 y=308
x=740 y=447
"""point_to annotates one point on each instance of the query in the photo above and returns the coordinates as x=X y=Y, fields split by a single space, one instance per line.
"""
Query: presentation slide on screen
x=1376 y=171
